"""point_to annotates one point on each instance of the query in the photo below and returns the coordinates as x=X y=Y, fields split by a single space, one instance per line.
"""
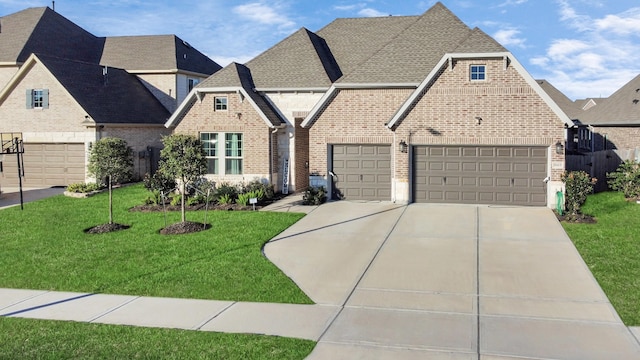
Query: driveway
x=449 y=282
x=10 y=196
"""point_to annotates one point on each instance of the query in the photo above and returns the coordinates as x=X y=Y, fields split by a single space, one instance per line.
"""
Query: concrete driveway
x=449 y=282
x=10 y=196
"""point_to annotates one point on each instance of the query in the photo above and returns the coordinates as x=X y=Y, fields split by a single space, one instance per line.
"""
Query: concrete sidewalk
x=288 y=320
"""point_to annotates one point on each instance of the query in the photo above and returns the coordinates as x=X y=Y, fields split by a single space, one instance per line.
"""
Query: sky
x=585 y=48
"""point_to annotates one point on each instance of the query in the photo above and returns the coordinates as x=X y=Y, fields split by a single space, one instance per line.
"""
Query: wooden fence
x=598 y=164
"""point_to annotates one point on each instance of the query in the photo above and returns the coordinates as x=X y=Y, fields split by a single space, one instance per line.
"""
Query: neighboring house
x=606 y=131
x=64 y=88
x=405 y=109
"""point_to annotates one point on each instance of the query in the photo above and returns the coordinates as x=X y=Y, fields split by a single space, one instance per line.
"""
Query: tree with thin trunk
x=111 y=159
x=183 y=158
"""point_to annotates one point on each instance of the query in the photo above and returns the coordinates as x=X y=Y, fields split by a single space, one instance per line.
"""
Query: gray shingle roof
x=155 y=52
x=413 y=53
x=302 y=60
x=572 y=109
x=122 y=99
x=42 y=30
x=621 y=108
x=354 y=40
x=479 y=42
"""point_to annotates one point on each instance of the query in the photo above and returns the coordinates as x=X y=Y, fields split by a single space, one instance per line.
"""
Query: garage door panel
x=363 y=172
x=479 y=174
x=47 y=165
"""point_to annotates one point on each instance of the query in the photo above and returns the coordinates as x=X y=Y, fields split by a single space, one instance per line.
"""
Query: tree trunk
x=183 y=187
x=110 y=201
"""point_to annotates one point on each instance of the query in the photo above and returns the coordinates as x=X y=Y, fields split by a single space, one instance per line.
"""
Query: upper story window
x=37 y=98
x=478 y=72
x=220 y=103
x=192 y=83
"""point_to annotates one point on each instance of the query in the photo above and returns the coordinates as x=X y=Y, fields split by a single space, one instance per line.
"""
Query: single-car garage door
x=480 y=175
x=46 y=165
x=361 y=172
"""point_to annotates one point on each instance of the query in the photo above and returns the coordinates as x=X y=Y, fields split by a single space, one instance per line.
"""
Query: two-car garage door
x=46 y=165
x=480 y=175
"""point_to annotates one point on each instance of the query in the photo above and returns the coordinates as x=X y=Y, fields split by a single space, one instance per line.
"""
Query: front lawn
x=43 y=339
x=45 y=247
x=611 y=249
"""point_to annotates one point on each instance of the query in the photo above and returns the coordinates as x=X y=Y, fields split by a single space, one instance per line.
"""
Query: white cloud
x=368 y=12
x=512 y=3
x=598 y=58
x=346 y=7
x=263 y=14
x=509 y=37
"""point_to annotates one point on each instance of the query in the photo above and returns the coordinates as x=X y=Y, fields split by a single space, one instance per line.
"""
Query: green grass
x=45 y=247
x=42 y=339
x=611 y=249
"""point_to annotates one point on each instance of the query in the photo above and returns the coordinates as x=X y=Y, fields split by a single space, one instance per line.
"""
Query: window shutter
x=29 y=98
x=45 y=98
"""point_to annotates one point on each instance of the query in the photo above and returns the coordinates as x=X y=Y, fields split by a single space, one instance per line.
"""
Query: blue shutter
x=29 y=98
x=45 y=98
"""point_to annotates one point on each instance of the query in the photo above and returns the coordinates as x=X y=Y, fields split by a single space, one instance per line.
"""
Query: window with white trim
x=223 y=158
x=220 y=103
x=37 y=98
x=478 y=73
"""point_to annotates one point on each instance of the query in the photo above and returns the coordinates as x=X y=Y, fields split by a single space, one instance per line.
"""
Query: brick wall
x=301 y=180
x=258 y=142
x=163 y=87
x=620 y=138
x=139 y=138
x=354 y=116
x=6 y=73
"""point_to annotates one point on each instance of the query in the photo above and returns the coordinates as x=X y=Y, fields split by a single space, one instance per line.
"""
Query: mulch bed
x=105 y=228
x=228 y=207
x=576 y=219
x=185 y=227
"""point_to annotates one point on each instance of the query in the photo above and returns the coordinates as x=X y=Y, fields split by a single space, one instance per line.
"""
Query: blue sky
x=586 y=48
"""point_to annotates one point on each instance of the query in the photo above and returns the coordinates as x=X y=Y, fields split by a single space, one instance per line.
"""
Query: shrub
x=243 y=199
x=578 y=184
x=225 y=199
x=200 y=189
x=226 y=189
x=84 y=188
x=160 y=182
x=155 y=198
x=314 y=195
x=626 y=179
x=266 y=190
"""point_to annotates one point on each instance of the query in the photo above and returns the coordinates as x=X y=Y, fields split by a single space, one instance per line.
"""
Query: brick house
x=64 y=88
x=405 y=109
x=606 y=131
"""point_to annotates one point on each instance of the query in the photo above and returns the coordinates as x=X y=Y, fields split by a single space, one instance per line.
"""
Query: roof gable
x=302 y=60
x=42 y=30
x=155 y=52
x=233 y=78
x=115 y=98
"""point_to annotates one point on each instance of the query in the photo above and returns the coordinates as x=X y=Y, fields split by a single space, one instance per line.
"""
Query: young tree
x=111 y=158
x=183 y=158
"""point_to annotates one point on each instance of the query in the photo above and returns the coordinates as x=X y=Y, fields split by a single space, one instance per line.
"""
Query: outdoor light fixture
x=403 y=146
x=559 y=148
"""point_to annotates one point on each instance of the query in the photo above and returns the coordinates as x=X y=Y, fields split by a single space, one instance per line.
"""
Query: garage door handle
x=444 y=179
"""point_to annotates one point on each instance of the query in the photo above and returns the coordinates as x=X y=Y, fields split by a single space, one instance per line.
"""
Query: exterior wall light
x=559 y=148
x=403 y=146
